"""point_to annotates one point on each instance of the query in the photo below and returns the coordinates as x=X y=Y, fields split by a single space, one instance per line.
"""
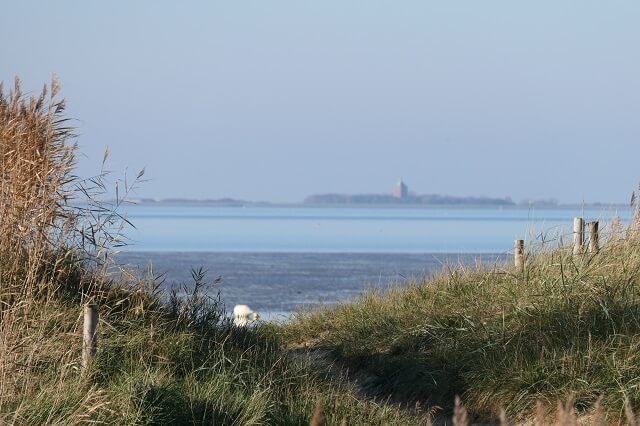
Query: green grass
x=566 y=326
x=163 y=364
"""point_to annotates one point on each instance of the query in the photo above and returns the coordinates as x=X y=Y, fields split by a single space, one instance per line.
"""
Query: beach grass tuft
x=567 y=326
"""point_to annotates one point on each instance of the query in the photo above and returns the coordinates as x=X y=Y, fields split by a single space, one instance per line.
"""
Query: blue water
x=275 y=284
x=279 y=259
x=352 y=230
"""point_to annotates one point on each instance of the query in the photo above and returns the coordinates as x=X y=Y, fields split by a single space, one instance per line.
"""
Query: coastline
x=264 y=204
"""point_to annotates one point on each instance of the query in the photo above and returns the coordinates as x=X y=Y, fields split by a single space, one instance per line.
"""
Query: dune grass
x=154 y=366
x=567 y=326
x=163 y=357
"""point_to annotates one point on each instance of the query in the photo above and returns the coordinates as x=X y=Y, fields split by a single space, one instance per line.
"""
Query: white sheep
x=244 y=315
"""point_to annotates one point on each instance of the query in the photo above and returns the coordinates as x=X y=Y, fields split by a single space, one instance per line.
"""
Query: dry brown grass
x=50 y=251
x=565 y=415
x=36 y=225
x=634 y=226
x=36 y=160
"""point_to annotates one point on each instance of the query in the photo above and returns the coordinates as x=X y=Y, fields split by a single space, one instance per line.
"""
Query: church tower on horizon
x=400 y=191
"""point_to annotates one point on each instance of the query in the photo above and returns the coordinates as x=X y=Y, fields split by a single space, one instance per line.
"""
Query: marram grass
x=566 y=327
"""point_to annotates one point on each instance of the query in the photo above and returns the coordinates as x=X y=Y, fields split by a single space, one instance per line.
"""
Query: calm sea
x=278 y=258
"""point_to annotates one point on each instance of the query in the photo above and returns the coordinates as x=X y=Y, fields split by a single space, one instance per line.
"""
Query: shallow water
x=277 y=259
x=345 y=230
x=275 y=284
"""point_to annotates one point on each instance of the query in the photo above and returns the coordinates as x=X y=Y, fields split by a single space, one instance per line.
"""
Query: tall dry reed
x=36 y=161
x=54 y=239
x=634 y=226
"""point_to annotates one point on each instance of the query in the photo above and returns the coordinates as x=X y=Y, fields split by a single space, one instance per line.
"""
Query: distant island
x=401 y=195
x=222 y=202
x=427 y=199
x=398 y=196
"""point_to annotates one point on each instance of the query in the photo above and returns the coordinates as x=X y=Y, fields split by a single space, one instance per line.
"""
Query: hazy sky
x=275 y=100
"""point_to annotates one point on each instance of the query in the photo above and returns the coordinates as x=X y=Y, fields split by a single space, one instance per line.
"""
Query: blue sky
x=275 y=100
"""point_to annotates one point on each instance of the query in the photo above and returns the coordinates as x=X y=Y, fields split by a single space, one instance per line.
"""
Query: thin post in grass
x=593 y=237
x=578 y=235
x=89 y=334
x=518 y=255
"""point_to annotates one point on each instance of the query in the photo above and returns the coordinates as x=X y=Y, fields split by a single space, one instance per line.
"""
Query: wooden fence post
x=518 y=255
x=578 y=235
x=89 y=334
x=593 y=237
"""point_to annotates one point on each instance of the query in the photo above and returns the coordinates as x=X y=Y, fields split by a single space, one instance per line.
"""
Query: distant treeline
x=226 y=202
x=432 y=199
x=363 y=199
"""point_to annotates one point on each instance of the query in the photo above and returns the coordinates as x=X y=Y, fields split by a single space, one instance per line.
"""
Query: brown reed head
x=36 y=163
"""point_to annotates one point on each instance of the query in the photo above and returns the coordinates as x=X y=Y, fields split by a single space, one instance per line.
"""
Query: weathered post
x=518 y=255
x=578 y=235
x=593 y=237
x=89 y=334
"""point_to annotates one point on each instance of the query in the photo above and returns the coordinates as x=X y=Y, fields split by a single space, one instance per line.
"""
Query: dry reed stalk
x=460 y=417
x=566 y=415
x=598 y=417
x=629 y=414
x=634 y=226
x=503 y=418
x=617 y=230
x=318 y=416
x=44 y=239
x=36 y=162
x=541 y=415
